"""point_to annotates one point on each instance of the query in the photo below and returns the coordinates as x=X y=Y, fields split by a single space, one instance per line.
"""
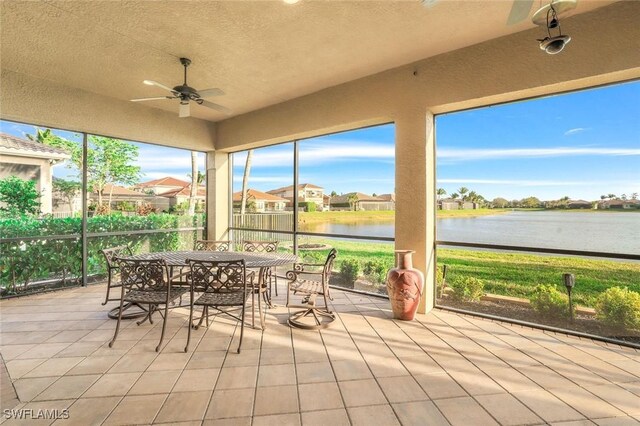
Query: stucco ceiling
x=259 y=52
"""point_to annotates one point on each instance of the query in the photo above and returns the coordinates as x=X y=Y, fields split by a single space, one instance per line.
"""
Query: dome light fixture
x=555 y=44
x=291 y=1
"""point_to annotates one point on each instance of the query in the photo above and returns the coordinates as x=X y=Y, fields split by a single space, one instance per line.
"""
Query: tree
x=454 y=195
x=352 y=199
x=603 y=197
x=334 y=193
x=19 y=197
x=67 y=189
x=440 y=192
x=623 y=196
x=245 y=182
x=530 y=202
x=500 y=202
x=634 y=196
x=194 y=183
x=611 y=196
x=463 y=190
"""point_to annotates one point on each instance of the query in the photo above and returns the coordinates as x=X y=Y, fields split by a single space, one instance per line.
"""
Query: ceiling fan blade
x=155 y=83
x=206 y=93
x=151 y=99
x=216 y=107
x=519 y=11
x=185 y=110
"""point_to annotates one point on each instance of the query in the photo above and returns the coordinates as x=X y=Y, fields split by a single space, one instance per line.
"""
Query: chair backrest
x=111 y=253
x=260 y=246
x=211 y=245
x=147 y=274
x=328 y=264
x=217 y=276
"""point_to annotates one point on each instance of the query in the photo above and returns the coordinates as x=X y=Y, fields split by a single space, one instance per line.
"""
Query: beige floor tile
x=361 y=392
x=508 y=410
x=197 y=380
x=112 y=384
x=547 y=406
x=67 y=387
x=54 y=367
x=90 y=411
x=237 y=421
x=439 y=386
x=94 y=365
x=270 y=356
x=19 y=367
x=337 y=417
x=10 y=352
x=351 y=369
x=586 y=403
x=134 y=363
x=136 y=409
x=229 y=403
x=373 y=414
x=208 y=359
x=44 y=350
x=277 y=375
x=464 y=411
x=401 y=389
x=315 y=372
x=320 y=396
x=620 y=398
x=170 y=361
x=27 y=389
x=155 y=382
x=79 y=349
x=58 y=407
x=278 y=419
x=237 y=378
x=246 y=357
x=68 y=336
x=419 y=413
x=276 y=400
x=475 y=382
x=184 y=406
x=617 y=421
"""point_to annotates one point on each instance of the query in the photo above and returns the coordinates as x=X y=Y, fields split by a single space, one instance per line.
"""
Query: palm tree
x=463 y=190
x=352 y=199
x=194 y=183
x=623 y=196
x=440 y=192
x=454 y=195
x=611 y=196
x=603 y=197
x=634 y=196
x=245 y=182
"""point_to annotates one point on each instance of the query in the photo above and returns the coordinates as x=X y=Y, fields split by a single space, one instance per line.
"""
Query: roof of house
x=344 y=198
x=165 y=181
x=619 y=202
x=578 y=202
x=300 y=186
x=387 y=197
x=120 y=190
x=185 y=191
x=255 y=195
x=18 y=146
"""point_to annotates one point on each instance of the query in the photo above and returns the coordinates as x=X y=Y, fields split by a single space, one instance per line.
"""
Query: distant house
x=579 y=204
x=120 y=195
x=619 y=204
x=307 y=193
x=361 y=202
x=30 y=160
x=162 y=185
x=389 y=198
x=449 y=204
x=182 y=195
x=260 y=202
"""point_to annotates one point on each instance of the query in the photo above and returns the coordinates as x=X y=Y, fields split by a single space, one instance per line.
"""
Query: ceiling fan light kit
x=186 y=93
x=553 y=44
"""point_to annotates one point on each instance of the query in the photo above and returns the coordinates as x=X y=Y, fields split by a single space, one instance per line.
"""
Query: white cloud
x=574 y=131
x=526 y=182
x=471 y=154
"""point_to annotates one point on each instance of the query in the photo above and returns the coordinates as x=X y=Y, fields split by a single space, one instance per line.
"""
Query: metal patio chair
x=311 y=280
x=223 y=286
x=146 y=282
x=212 y=245
x=252 y=246
x=112 y=283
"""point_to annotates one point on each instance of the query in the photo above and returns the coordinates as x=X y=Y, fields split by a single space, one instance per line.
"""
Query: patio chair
x=311 y=280
x=112 y=267
x=146 y=282
x=211 y=245
x=223 y=286
x=264 y=247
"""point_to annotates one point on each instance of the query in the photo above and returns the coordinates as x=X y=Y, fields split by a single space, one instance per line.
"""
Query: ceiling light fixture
x=555 y=44
x=291 y=1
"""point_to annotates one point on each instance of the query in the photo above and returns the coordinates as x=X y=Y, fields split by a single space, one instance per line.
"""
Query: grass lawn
x=507 y=273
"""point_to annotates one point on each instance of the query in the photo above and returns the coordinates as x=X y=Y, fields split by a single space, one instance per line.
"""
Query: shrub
x=619 y=307
x=376 y=270
x=467 y=289
x=308 y=206
x=548 y=300
x=439 y=281
x=350 y=269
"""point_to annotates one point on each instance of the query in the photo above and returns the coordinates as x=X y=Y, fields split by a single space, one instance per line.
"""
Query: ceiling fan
x=186 y=94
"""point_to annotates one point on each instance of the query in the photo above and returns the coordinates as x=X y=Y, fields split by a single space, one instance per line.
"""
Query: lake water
x=616 y=232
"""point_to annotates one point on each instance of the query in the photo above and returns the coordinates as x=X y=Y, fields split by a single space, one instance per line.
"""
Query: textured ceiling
x=259 y=52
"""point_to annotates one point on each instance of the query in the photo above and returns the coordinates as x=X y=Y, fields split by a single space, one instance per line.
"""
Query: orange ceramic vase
x=404 y=286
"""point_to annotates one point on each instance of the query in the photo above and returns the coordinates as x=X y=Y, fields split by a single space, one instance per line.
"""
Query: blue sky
x=581 y=145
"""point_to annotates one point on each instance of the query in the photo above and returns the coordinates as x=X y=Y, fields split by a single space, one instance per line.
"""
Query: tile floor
x=366 y=369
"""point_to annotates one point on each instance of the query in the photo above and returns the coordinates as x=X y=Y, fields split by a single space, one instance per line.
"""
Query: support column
x=218 y=195
x=415 y=195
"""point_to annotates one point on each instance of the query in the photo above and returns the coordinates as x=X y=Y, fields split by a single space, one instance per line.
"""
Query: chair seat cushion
x=154 y=296
x=306 y=286
x=236 y=298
